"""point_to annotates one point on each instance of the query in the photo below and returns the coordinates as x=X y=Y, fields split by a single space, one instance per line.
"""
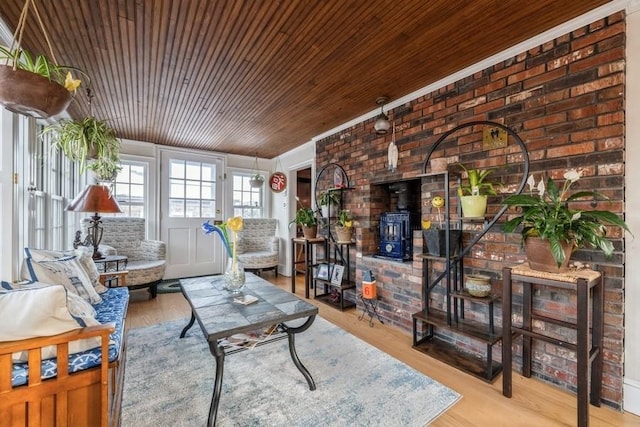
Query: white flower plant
x=548 y=215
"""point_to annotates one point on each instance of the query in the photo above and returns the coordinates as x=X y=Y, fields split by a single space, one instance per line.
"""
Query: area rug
x=169 y=286
x=169 y=382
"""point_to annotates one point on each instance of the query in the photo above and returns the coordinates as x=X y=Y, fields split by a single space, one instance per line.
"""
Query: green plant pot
x=473 y=206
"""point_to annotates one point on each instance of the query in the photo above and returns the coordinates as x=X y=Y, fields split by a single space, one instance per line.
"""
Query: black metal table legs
x=292 y=349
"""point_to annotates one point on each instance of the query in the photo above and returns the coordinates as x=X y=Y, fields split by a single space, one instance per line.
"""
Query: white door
x=190 y=194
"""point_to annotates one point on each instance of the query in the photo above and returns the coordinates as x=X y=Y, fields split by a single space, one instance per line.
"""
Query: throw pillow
x=36 y=311
x=84 y=256
x=64 y=271
x=86 y=261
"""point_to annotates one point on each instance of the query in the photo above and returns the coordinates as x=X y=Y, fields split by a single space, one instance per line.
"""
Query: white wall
x=284 y=204
x=632 y=213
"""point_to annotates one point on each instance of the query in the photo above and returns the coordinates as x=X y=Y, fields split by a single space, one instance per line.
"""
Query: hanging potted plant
x=34 y=86
x=551 y=230
x=473 y=193
x=256 y=179
x=85 y=140
x=344 y=227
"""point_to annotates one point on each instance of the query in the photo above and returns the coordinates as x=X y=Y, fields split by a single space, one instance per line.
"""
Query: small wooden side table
x=589 y=289
x=114 y=270
x=307 y=249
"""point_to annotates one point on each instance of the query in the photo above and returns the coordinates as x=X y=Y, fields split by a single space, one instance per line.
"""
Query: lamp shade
x=95 y=198
x=382 y=124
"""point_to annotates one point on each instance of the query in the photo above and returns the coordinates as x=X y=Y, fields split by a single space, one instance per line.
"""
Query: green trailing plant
x=83 y=140
x=548 y=216
x=21 y=59
x=478 y=184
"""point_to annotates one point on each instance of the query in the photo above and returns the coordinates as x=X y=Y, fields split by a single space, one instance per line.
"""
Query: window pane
x=193 y=209
x=207 y=191
x=193 y=171
x=176 y=207
x=176 y=169
x=208 y=209
x=176 y=188
x=193 y=190
x=208 y=172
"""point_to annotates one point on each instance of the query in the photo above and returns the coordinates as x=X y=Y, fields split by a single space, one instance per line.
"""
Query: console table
x=589 y=290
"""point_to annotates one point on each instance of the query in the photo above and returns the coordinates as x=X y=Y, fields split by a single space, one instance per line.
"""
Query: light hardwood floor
x=534 y=403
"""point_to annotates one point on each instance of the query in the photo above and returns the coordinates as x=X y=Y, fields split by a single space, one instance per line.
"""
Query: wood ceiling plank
x=243 y=76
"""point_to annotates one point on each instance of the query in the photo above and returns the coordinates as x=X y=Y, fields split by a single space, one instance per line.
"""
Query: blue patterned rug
x=169 y=382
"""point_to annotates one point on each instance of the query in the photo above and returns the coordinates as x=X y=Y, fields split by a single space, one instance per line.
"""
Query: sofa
x=258 y=245
x=45 y=322
x=146 y=258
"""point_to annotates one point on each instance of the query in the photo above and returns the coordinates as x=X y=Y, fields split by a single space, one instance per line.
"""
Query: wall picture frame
x=336 y=274
x=321 y=272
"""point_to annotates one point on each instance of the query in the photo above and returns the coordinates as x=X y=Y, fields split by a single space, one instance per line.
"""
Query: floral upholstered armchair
x=258 y=245
x=146 y=258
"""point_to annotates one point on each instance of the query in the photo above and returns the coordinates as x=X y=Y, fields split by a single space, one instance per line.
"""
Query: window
x=191 y=189
x=130 y=189
x=248 y=202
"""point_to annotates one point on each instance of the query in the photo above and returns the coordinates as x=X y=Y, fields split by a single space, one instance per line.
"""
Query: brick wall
x=565 y=99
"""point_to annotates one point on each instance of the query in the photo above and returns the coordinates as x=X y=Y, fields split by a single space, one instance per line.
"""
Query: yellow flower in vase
x=235 y=224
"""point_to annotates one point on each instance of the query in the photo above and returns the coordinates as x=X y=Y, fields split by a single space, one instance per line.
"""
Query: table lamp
x=95 y=198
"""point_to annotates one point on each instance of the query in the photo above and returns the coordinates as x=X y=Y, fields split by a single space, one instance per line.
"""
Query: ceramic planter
x=473 y=206
x=24 y=92
x=310 y=232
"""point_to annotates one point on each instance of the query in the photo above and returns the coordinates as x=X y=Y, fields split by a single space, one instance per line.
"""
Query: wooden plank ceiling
x=263 y=77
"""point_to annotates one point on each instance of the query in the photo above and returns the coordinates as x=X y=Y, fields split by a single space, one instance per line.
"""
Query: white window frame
x=266 y=195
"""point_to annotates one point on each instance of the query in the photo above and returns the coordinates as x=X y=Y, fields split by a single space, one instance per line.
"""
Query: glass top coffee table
x=221 y=317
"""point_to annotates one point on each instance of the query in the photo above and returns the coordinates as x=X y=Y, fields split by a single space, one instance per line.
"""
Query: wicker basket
x=344 y=234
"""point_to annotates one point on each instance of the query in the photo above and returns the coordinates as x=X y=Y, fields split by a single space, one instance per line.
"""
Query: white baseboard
x=631 y=396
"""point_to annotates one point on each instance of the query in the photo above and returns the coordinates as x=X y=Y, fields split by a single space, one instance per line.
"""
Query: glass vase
x=234 y=276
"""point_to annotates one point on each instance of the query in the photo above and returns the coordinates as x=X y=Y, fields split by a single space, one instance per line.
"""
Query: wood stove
x=396 y=235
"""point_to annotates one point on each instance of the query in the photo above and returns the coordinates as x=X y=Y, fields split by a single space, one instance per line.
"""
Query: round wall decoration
x=278 y=182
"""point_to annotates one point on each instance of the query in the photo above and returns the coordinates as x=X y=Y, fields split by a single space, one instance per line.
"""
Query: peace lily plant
x=547 y=215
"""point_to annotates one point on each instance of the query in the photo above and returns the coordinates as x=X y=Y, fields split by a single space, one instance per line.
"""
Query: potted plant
x=33 y=85
x=473 y=193
x=344 y=226
x=550 y=226
x=85 y=140
x=329 y=202
x=435 y=235
x=306 y=218
x=256 y=181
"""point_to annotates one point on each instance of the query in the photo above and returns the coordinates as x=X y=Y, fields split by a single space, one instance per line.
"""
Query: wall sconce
x=382 y=124
x=94 y=198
